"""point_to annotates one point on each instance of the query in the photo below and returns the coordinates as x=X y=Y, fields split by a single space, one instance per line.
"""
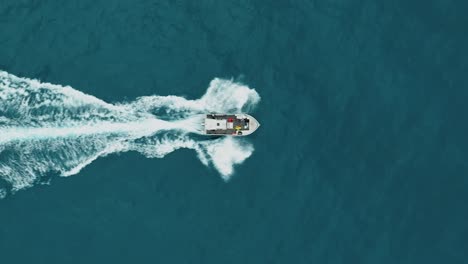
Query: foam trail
x=48 y=129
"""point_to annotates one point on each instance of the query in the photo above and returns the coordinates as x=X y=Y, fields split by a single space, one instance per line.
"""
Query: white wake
x=48 y=129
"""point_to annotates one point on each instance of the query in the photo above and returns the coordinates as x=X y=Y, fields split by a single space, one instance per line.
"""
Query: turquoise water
x=361 y=156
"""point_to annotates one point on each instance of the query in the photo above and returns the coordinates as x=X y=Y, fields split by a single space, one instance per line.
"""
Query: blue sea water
x=361 y=156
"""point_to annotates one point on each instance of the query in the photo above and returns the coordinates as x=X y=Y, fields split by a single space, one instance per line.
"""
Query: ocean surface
x=361 y=156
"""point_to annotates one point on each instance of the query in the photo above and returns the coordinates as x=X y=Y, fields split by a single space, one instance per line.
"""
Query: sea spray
x=51 y=129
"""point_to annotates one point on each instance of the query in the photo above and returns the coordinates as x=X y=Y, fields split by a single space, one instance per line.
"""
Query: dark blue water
x=361 y=156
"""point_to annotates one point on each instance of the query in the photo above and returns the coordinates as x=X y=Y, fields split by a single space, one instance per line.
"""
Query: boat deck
x=232 y=119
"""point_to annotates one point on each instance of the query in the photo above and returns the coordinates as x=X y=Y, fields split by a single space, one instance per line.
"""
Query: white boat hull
x=230 y=124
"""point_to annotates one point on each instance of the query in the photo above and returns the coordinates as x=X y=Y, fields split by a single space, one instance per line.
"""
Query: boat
x=230 y=124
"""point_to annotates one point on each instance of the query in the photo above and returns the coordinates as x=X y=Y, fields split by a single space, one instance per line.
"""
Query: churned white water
x=52 y=129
